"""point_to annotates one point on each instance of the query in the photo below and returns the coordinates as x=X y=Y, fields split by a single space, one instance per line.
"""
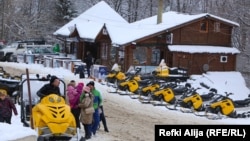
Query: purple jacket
x=74 y=95
x=6 y=107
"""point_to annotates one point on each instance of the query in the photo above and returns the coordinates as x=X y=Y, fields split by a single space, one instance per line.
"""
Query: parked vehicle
x=10 y=52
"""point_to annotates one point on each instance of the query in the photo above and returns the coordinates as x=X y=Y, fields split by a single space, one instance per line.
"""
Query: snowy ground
x=127 y=118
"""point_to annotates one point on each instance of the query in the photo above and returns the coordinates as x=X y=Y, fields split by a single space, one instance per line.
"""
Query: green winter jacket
x=97 y=98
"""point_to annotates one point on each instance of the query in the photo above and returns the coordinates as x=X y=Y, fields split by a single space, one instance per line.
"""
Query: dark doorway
x=93 y=48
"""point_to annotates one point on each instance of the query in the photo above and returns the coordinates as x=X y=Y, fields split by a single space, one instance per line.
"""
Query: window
x=216 y=27
x=204 y=26
x=155 y=56
x=140 y=55
x=104 y=48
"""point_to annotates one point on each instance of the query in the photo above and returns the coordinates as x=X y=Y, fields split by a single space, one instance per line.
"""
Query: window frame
x=201 y=26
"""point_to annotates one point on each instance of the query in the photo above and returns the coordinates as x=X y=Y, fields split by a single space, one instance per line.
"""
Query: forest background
x=25 y=19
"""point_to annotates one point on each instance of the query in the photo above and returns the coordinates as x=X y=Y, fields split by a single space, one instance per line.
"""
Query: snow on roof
x=90 y=22
x=202 y=49
x=149 y=26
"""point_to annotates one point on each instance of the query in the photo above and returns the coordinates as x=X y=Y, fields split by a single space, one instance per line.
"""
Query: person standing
x=89 y=62
x=97 y=103
x=102 y=115
x=80 y=70
x=73 y=93
x=6 y=107
x=86 y=116
x=51 y=88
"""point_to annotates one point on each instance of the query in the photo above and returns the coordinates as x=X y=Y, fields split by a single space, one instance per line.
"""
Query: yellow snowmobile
x=170 y=74
x=222 y=105
x=149 y=88
x=52 y=118
x=191 y=100
x=167 y=94
x=131 y=83
x=115 y=76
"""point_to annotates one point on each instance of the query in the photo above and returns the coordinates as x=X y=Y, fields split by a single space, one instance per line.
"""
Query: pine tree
x=65 y=10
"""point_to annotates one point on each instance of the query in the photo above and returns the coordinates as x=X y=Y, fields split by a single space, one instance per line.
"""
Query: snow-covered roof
x=149 y=26
x=90 y=23
x=203 y=49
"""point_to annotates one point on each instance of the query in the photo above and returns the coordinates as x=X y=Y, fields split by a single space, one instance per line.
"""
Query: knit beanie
x=52 y=79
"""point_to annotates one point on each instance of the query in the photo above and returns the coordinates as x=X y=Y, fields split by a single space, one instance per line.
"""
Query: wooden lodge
x=202 y=43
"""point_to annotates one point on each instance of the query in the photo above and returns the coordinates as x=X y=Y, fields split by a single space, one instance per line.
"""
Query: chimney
x=160 y=9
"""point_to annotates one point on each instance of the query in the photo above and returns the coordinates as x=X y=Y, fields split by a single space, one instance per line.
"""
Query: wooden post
x=30 y=100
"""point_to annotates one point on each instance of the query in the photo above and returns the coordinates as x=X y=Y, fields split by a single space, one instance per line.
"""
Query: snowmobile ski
x=158 y=103
x=171 y=107
x=112 y=91
x=144 y=100
x=134 y=96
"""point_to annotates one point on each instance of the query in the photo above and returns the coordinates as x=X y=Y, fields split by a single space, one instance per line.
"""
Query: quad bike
x=51 y=116
x=170 y=74
x=115 y=76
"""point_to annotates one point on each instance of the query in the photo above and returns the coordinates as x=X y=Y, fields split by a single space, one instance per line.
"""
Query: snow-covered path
x=128 y=119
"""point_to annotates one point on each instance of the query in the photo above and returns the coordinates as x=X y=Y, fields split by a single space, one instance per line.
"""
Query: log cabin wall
x=215 y=33
x=196 y=63
x=145 y=48
x=201 y=32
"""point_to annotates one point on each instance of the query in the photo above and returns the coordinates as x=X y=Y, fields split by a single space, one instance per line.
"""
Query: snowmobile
x=115 y=76
x=166 y=94
x=242 y=103
x=192 y=101
x=131 y=84
x=219 y=106
x=195 y=101
x=150 y=86
x=222 y=105
x=43 y=115
x=170 y=74
x=52 y=119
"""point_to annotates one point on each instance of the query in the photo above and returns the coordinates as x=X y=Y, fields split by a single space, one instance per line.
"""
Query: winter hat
x=91 y=83
x=52 y=79
x=86 y=89
x=79 y=87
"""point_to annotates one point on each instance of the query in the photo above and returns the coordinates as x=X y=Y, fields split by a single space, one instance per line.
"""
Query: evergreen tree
x=65 y=10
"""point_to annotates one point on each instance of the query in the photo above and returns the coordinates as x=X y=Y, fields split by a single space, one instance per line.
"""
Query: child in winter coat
x=6 y=107
x=73 y=94
x=86 y=104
